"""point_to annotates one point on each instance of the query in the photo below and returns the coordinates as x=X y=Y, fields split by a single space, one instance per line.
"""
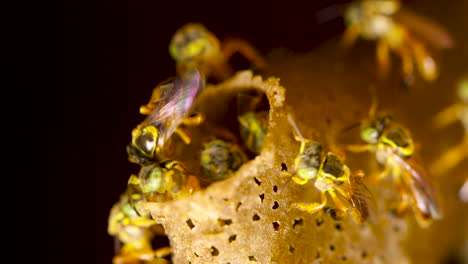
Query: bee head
x=191 y=41
x=371 y=132
x=309 y=161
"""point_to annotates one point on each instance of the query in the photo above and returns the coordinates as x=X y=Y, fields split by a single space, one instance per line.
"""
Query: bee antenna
x=294 y=125
x=346 y=129
x=375 y=101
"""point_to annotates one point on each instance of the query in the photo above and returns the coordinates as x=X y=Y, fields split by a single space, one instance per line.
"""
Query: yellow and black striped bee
x=333 y=177
x=253 y=120
x=219 y=159
x=161 y=182
x=398 y=30
x=170 y=106
x=394 y=149
x=135 y=232
x=194 y=46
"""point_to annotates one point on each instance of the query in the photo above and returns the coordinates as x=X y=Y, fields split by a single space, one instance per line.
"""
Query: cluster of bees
x=199 y=54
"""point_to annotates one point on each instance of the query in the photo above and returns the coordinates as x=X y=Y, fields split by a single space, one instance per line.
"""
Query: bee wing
x=177 y=98
x=422 y=190
x=360 y=199
x=424 y=27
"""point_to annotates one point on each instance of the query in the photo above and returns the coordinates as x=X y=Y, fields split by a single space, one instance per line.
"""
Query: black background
x=86 y=68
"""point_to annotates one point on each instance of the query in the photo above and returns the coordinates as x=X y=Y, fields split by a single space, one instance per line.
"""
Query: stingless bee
x=253 y=121
x=195 y=46
x=452 y=114
x=135 y=232
x=219 y=159
x=399 y=30
x=253 y=129
x=162 y=182
x=169 y=107
x=394 y=148
x=332 y=176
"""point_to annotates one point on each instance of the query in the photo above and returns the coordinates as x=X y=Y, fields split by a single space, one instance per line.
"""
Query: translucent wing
x=422 y=190
x=424 y=27
x=175 y=103
x=359 y=198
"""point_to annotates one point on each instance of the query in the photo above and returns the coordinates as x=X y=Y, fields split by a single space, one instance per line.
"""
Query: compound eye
x=152 y=180
x=146 y=141
x=369 y=134
x=307 y=173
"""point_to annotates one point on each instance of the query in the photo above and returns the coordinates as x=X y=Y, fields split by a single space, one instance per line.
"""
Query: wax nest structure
x=247 y=217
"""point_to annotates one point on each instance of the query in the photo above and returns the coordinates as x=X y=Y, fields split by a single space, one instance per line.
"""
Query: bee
x=454 y=113
x=136 y=233
x=195 y=46
x=219 y=159
x=253 y=121
x=169 y=107
x=332 y=176
x=399 y=30
x=162 y=182
x=394 y=148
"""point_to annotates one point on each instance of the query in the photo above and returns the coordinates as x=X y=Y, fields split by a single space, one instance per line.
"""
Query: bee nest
x=248 y=218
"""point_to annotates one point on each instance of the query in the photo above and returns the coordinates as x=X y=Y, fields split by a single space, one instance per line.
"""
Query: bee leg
x=125 y=259
x=350 y=36
x=192 y=184
x=231 y=46
x=402 y=207
x=425 y=63
x=383 y=58
x=194 y=119
x=299 y=180
x=148 y=108
x=312 y=207
x=339 y=204
x=450 y=158
x=184 y=135
x=377 y=177
x=407 y=62
x=447 y=116
x=162 y=252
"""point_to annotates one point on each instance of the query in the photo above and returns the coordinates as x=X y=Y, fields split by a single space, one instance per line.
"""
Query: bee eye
x=147 y=139
x=152 y=180
x=307 y=173
x=369 y=134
